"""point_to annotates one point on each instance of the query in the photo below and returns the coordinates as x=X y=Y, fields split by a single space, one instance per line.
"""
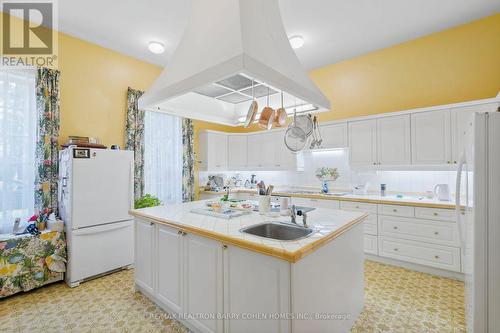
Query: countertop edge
x=341 y=198
x=291 y=257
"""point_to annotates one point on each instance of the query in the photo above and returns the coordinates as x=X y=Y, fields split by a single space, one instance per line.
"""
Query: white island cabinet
x=214 y=279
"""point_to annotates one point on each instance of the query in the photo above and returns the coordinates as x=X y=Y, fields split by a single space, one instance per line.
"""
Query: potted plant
x=326 y=175
x=147 y=200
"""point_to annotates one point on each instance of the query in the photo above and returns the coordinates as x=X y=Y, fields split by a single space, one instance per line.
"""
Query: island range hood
x=231 y=52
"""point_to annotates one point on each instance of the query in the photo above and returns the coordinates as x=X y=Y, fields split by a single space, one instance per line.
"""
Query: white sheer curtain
x=18 y=121
x=163 y=156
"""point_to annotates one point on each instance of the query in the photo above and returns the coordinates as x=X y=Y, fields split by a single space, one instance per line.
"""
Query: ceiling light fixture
x=156 y=47
x=296 y=42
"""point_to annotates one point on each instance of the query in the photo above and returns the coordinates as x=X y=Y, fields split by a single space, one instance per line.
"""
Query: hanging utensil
x=295 y=138
x=252 y=110
x=280 y=118
x=320 y=140
x=267 y=115
x=305 y=122
x=314 y=138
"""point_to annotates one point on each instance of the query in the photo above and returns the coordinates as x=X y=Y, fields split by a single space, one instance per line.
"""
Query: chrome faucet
x=294 y=213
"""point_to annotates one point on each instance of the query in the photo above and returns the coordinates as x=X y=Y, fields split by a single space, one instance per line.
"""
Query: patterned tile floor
x=397 y=300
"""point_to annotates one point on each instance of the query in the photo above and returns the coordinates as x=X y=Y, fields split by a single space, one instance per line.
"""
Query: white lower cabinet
x=438 y=256
x=144 y=254
x=169 y=265
x=370 y=243
x=255 y=284
x=203 y=282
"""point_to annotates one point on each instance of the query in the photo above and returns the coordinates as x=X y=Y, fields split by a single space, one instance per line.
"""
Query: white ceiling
x=333 y=30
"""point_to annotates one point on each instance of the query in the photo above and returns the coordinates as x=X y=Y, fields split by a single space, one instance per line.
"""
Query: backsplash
x=404 y=181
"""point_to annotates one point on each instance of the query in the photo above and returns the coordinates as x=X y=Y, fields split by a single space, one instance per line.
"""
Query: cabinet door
x=261 y=151
x=169 y=266
x=203 y=293
x=393 y=140
x=334 y=136
x=253 y=284
x=237 y=152
x=430 y=137
x=203 y=151
x=363 y=142
x=218 y=148
x=144 y=250
x=461 y=120
x=284 y=159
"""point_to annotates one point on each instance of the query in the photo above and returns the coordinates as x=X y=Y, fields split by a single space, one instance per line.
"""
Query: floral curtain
x=46 y=153
x=187 y=160
x=134 y=138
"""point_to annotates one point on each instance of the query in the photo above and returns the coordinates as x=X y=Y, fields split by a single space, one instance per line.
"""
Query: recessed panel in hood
x=227 y=45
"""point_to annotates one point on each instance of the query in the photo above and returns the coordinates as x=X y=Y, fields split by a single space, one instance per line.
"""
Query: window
x=18 y=121
x=163 y=156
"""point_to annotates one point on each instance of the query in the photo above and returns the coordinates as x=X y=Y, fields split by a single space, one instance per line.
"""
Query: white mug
x=442 y=192
x=264 y=204
x=284 y=206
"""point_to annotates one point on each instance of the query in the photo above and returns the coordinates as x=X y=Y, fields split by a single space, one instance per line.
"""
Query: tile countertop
x=327 y=224
x=390 y=199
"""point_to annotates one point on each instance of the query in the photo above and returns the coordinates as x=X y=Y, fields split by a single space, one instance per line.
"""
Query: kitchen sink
x=278 y=231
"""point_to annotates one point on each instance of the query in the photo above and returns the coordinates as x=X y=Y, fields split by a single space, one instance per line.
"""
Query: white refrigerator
x=95 y=196
x=478 y=190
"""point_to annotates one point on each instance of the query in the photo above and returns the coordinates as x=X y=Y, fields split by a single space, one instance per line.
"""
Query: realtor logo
x=29 y=33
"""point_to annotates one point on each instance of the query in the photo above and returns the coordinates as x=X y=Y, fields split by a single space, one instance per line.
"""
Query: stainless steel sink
x=278 y=230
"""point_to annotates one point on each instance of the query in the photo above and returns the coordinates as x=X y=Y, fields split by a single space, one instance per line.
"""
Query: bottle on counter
x=382 y=190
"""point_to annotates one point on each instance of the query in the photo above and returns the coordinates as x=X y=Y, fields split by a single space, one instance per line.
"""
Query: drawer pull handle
x=436 y=214
x=179 y=232
x=395 y=228
x=394 y=210
x=437 y=257
x=396 y=249
x=357 y=207
x=224 y=246
x=436 y=233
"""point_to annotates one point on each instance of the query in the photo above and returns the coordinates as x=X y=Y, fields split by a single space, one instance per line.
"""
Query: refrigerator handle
x=131 y=185
x=458 y=208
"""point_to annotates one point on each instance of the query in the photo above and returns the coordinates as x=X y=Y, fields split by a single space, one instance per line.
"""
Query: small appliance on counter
x=442 y=192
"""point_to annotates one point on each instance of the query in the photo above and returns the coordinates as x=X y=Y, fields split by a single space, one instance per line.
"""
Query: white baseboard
x=416 y=267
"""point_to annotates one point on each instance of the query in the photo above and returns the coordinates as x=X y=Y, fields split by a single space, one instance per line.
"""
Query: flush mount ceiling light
x=296 y=42
x=156 y=47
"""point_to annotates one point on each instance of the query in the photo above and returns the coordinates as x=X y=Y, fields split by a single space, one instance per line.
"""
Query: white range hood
x=227 y=45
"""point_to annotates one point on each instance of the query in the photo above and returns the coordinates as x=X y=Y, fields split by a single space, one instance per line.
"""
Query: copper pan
x=267 y=118
x=280 y=117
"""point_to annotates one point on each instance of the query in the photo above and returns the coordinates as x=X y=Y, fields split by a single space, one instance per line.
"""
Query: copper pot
x=280 y=118
x=267 y=118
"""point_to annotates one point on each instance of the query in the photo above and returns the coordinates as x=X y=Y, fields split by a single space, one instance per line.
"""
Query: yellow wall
x=455 y=65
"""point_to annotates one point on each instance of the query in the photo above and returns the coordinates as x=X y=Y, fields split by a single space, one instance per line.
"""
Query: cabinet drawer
x=359 y=206
x=370 y=229
x=371 y=244
x=396 y=210
x=316 y=203
x=438 y=256
x=420 y=230
x=435 y=214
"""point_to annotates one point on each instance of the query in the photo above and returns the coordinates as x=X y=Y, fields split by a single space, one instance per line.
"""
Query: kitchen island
x=212 y=277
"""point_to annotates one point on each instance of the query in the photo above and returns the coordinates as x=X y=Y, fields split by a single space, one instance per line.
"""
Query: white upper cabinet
x=237 y=152
x=261 y=151
x=283 y=157
x=431 y=137
x=393 y=140
x=334 y=136
x=213 y=151
x=363 y=142
x=461 y=120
